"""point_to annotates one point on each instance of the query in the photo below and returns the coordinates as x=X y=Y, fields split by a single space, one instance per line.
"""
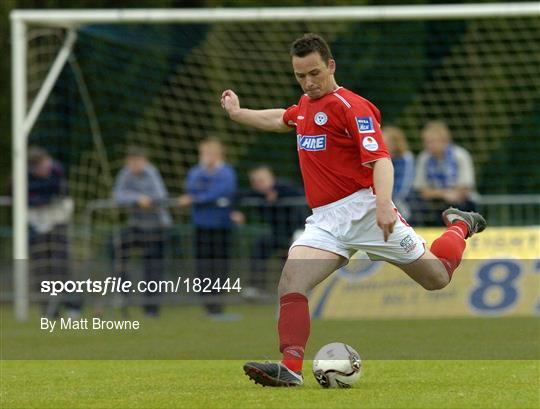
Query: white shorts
x=349 y=224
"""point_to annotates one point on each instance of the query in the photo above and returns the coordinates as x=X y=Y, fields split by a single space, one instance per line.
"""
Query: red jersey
x=338 y=135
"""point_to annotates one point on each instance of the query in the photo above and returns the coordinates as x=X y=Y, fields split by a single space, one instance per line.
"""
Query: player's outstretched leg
x=304 y=269
x=449 y=247
x=435 y=268
x=475 y=221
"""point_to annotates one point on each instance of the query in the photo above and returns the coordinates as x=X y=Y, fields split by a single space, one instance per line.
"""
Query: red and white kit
x=338 y=138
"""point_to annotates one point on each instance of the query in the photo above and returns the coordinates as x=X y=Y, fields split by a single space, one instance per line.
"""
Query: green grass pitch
x=444 y=375
x=221 y=384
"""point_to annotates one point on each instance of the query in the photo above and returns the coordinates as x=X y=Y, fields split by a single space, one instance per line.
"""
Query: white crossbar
x=70 y=18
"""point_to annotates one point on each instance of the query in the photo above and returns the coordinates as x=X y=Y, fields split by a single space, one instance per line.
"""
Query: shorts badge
x=408 y=243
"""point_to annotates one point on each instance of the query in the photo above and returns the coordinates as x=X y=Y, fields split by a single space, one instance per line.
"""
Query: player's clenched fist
x=230 y=101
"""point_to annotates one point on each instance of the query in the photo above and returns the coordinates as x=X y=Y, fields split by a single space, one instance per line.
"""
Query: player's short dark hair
x=311 y=43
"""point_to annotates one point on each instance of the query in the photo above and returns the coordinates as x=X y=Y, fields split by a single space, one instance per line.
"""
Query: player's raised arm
x=265 y=119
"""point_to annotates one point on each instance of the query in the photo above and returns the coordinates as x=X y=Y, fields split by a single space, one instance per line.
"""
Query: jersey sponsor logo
x=320 y=118
x=312 y=142
x=365 y=124
x=370 y=143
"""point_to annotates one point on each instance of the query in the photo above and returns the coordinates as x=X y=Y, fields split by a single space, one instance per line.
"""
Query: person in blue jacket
x=210 y=188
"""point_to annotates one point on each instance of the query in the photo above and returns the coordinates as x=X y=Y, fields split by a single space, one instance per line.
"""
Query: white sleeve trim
x=345 y=102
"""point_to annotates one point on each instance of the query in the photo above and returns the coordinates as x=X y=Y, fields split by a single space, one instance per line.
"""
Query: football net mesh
x=158 y=87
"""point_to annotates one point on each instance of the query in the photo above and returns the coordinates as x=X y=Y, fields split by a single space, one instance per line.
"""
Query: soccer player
x=348 y=179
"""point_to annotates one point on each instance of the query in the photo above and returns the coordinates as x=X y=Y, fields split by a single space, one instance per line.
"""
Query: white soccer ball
x=337 y=365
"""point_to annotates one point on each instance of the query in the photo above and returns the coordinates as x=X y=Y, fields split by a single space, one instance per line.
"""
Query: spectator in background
x=49 y=215
x=268 y=197
x=444 y=174
x=140 y=186
x=403 y=161
x=210 y=188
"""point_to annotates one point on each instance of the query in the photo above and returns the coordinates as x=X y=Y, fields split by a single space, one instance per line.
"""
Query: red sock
x=293 y=328
x=450 y=246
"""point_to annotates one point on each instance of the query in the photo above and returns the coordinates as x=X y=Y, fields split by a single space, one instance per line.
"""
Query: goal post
x=24 y=114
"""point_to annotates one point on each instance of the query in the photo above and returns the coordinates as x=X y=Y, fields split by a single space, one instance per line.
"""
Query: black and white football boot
x=474 y=221
x=272 y=374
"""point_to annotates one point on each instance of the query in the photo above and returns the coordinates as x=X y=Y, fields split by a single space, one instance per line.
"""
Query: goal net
x=157 y=85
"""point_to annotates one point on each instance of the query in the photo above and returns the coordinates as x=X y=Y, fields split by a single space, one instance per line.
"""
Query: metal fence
x=92 y=235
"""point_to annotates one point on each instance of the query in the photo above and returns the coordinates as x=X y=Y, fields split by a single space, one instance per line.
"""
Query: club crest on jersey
x=365 y=124
x=312 y=143
x=320 y=118
x=370 y=143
